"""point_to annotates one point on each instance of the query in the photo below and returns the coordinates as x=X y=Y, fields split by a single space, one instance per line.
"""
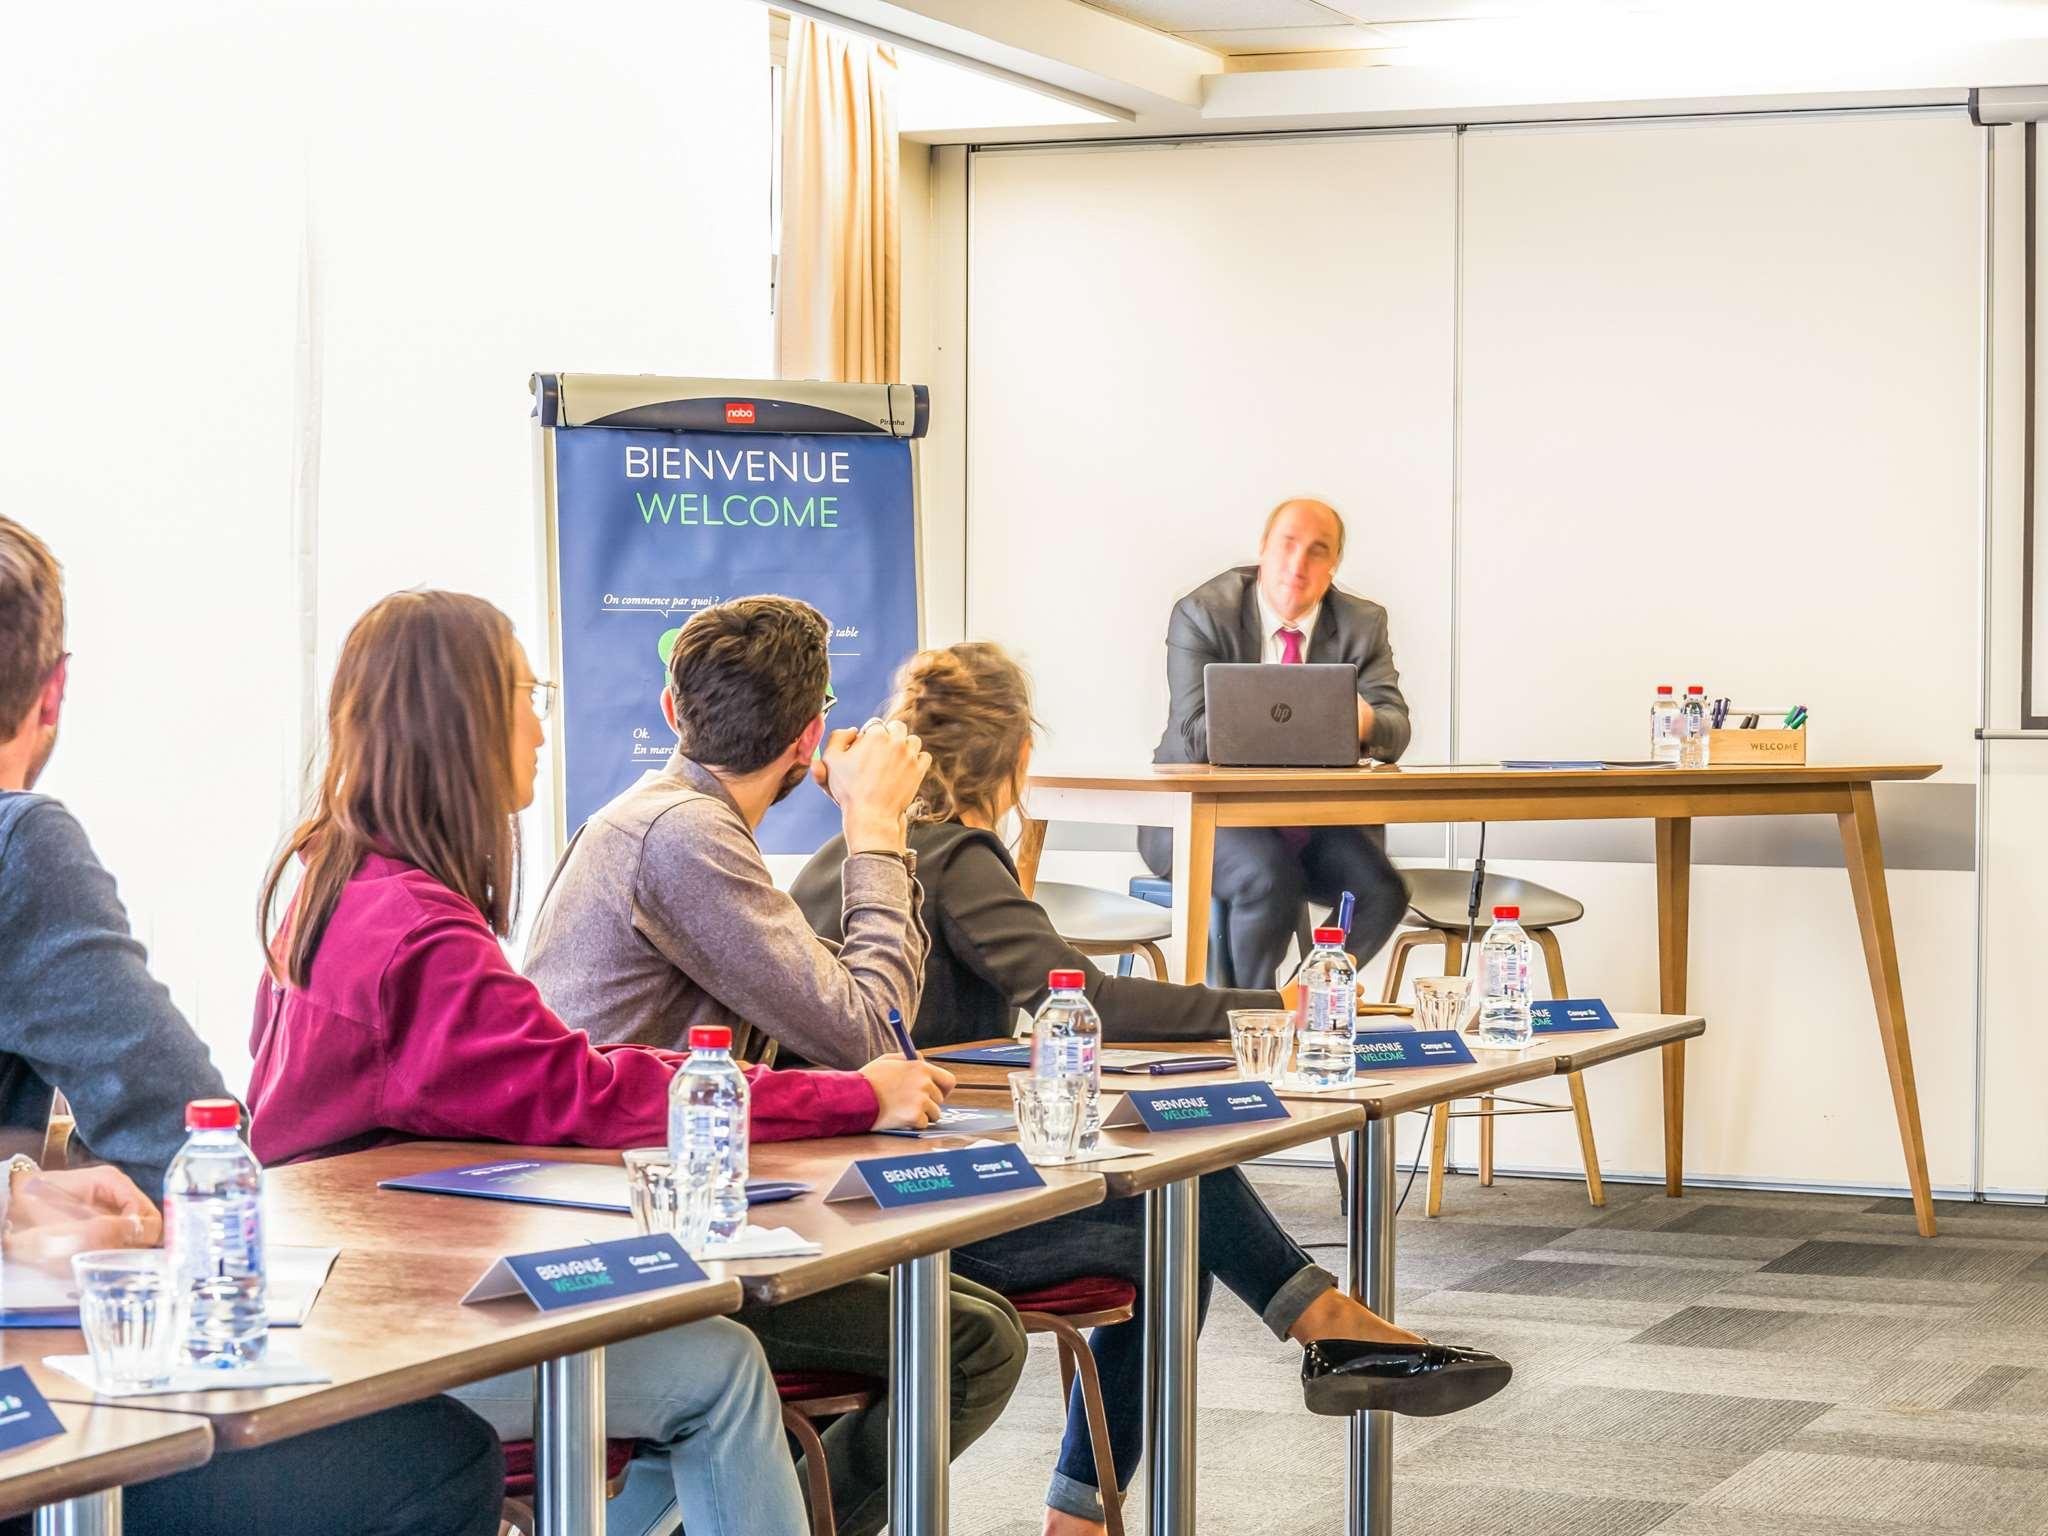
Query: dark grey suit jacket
x=1219 y=621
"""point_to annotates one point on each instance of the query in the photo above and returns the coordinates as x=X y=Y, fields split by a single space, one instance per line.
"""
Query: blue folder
x=537 y=1181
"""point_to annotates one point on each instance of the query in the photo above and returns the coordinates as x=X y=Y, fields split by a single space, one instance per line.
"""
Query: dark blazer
x=991 y=947
x=1219 y=621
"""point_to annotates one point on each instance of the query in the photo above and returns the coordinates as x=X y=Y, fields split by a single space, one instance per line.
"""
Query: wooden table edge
x=1598 y=1052
x=316 y=1406
x=180 y=1451
x=1200 y=778
x=1272 y=1136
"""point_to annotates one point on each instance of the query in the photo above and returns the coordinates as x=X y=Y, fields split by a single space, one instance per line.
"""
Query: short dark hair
x=31 y=621
x=747 y=676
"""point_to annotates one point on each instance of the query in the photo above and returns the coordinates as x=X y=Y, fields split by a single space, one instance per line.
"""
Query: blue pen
x=1169 y=1068
x=902 y=1035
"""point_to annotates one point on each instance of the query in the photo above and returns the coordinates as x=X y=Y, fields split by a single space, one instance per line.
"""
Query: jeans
x=429 y=1468
x=1265 y=883
x=1241 y=1244
x=703 y=1394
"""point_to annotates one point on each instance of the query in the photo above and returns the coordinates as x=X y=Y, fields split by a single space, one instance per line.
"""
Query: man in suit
x=1284 y=609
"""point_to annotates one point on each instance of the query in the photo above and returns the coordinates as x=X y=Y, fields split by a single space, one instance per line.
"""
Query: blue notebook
x=1156 y=1063
x=583 y=1186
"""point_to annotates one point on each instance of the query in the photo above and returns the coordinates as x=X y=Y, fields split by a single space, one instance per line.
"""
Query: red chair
x=1063 y=1310
x=517 y=1512
x=808 y=1398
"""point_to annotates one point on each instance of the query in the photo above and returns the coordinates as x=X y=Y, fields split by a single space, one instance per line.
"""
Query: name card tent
x=662 y=496
x=576 y=1276
x=923 y=1178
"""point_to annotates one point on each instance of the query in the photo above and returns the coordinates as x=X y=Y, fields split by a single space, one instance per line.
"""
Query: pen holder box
x=1755 y=747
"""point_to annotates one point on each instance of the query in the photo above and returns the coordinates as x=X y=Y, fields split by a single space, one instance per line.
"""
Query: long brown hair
x=419 y=767
x=970 y=705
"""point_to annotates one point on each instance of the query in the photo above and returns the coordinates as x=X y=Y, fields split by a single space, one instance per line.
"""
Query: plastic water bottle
x=1664 y=726
x=707 y=1139
x=1329 y=993
x=1692 y=735
x=213 y=1227
x=1504 y=968
x=1066 y=1041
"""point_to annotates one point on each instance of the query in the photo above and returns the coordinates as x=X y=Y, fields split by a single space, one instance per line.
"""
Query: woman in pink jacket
x=388 y=1011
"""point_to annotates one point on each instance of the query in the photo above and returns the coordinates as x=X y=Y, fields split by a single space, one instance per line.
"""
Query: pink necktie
x=1290 y=655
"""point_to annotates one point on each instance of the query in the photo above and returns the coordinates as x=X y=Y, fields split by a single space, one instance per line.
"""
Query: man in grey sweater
x=662 y=913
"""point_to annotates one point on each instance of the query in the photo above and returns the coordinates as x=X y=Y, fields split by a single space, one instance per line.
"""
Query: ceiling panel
x=1184 y=16
x=1256 y=40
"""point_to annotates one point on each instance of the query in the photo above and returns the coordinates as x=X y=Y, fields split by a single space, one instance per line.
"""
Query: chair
x=809 y=1398
x=1437 y=904
x=1098 y=922
x=517 y=1511
x=1160 y=894
x=1063 y=1310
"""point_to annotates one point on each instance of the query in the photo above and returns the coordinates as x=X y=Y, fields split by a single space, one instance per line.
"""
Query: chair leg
x=1454 y=954
x=1576 y=1082
x=1397 y=959
x=1439 y=1145
x=1153 y=958
x=1553 y=960
x=1337 y=1162
x=1486 y=1140
x=823 y=1522
x=1072 y=1344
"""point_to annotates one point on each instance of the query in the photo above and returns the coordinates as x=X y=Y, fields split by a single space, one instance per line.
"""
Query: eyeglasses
x=831 y=698
x=543 y=697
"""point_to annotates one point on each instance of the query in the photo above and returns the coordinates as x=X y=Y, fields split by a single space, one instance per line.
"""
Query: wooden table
x=389 y=1327
x=336 y=1202
x=1195 y=800
x=77 y=1476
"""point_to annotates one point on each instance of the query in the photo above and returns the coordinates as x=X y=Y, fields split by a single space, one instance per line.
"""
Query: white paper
x=279 y=1370
x=761 y=1243
x=293 y=1275
x=1102 y=1154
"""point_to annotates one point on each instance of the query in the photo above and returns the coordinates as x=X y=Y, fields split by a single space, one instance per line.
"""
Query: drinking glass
x=1051 y=1112
x=1262 y=1040
x=662 y=1200
x=1441 y=1001
x=131 y=1314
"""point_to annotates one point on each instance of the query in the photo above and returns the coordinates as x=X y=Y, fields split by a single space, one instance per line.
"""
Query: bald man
x=1284 y=609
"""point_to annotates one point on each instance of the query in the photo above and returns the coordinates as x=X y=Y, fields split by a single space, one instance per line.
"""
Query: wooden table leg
x=1030 y=849
x=1864 y=856
x=1674 y=913
x=1194 y=858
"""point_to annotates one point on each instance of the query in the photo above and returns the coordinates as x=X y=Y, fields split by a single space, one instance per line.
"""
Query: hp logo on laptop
x=1282 y=713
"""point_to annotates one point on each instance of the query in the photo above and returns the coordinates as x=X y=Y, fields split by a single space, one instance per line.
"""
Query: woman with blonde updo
x=991 y=950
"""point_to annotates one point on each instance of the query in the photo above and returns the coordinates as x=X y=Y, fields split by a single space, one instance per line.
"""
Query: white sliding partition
x=1721 y=384
x=1167 y=340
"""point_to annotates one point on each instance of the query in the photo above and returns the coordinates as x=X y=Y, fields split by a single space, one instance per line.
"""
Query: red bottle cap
x=1067 y=981
x=1664 y=690
x=1329 y=935
x=213 y=1115
x=1695 y=688
x=710 y=1037
x=1506 y=914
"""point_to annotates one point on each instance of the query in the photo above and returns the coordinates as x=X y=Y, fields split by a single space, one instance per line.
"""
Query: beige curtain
x=840 y=278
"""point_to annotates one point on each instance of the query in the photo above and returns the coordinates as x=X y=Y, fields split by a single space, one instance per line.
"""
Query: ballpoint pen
x=902 y=1035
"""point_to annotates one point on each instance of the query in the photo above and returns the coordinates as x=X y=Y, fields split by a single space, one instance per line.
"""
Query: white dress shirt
x=1269 y=650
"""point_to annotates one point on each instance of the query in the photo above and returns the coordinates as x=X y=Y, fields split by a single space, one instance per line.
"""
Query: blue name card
x=1189 y=1109
x=575 y=1277
x=25 y=1414
x=1563 y=1015
x=924 y=1177
x=1384 y=1050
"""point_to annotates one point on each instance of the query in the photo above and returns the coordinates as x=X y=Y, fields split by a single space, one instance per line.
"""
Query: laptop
x=1275 y=715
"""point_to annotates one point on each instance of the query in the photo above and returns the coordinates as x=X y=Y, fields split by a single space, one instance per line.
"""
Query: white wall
x=474 y=192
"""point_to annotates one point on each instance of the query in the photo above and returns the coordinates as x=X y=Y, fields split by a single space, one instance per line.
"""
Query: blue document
x=962 y=1122
x=1565 y=1015
x=574 y=1277
x=537 y=1181
x=1385 y=1050
x=25 y=1415
x=1018 y=1055
x=1194 y=1109
x=921 y=1178
x=1112 y=1059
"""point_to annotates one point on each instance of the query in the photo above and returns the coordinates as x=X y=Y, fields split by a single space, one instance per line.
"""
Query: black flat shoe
x=1340 y=1376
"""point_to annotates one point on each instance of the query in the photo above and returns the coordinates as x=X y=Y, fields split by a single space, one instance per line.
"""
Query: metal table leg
x=920 y=1370
x=1369 y=1271
x=1172 y=1257
x=568 y=1445
x=90 y=1514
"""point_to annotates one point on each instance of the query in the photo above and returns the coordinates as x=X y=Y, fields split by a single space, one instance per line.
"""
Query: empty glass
x=658 y=1200
x=1441 y=1001
x=1050 y=1114
x=128 y=1307
x=1262 y=1040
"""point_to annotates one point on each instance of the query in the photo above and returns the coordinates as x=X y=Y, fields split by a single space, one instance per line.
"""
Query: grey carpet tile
x=1674 y=1243
x=1837 y=1335
x=1981 y=1440
x=1566 y=1462
x=1773 y=1211
x=1627 y=1318
x=1743 y=1426
x=1474 y=1510
x=1729 y=1372
x=1915 y=1384
x=2019 y=1309
x=2018 y=1390
x=1799 y=1485
x=1919 y=1260
x=1628 y=1282
x=1715 y=1218
x=1939 y=1296
x=2038 y=1270
x=1704 y=1253
x=1723 y=1520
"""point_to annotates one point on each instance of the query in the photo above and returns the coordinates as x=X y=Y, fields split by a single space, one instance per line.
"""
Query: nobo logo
x=739 y=413
x=1282 y=713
